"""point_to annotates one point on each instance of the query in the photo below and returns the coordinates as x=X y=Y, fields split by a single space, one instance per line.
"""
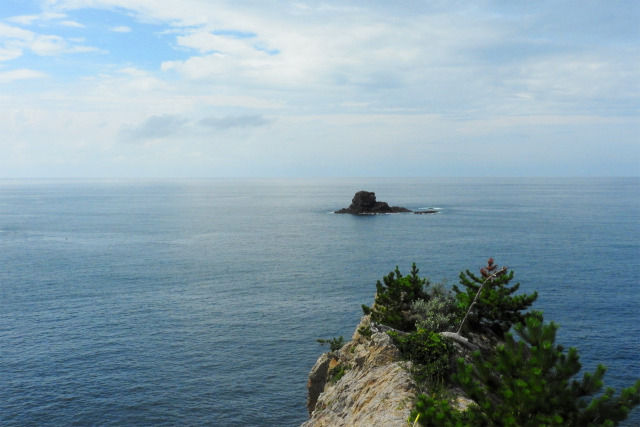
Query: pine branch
x=490 y=277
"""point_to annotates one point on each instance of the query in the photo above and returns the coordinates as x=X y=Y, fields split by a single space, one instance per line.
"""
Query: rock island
x=364 y=203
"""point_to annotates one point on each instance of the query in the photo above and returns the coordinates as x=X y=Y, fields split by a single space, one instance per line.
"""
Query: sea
x=200 y=302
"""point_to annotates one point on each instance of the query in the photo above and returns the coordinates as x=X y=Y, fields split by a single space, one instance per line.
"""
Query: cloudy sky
x=209 y=88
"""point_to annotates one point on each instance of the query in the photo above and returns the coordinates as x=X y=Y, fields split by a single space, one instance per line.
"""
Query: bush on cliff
x=440 y=312
x=430 y=353
x=394 y=297
x=495 y=307
x=530 y=382
x=335 y=344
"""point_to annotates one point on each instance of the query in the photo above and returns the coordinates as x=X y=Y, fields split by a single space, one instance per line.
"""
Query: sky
x=249 y=88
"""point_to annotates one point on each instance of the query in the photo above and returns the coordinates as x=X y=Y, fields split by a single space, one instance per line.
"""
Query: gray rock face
x=364 y=199
x=375 y=389
x=364 y=203
x=317 y=380
x=366 y=383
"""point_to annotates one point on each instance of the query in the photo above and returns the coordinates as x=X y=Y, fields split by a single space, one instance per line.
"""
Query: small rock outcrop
x=365 y=383
x=364 y=203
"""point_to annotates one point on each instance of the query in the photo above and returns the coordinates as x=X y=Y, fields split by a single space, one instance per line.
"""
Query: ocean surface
x=199 y=302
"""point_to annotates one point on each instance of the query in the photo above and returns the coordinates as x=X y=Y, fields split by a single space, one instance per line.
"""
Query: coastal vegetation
x=524 y=379
x=394 y=297
x=529 y=382
x=490 y=299
x=334 y=343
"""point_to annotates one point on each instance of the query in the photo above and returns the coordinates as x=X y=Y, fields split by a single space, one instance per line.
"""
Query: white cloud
x=13 y=41
x=23 y=19
x=205 y=42
x=8 y=53
x=8 y=32
x=49 y=45
x=440 y=80
x=121 y=29
x=17 y=40
x=499 y=124
x=593 y=75
x=30 y=19
x=21 y=74
x=72 y=24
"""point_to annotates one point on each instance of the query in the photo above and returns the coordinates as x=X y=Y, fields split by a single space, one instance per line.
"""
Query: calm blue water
x=200 y=302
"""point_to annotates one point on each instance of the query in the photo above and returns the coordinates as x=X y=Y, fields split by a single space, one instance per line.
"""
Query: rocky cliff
x=365 y=383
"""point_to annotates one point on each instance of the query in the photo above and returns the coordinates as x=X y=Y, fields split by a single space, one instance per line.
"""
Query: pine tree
x=495 y=307
x=394 y=297
x=530 y=382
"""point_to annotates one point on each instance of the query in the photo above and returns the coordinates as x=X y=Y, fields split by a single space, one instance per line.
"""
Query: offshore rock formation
x=364 y=203
x=365 y=383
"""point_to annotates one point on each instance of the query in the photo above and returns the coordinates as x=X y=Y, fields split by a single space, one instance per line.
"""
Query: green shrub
x=337 y=373
x=334 y=343
x=530 y=382
x=365 y=331
x=495 y=307
x=394 y=297
x=433 y=411
x=439 y=313
x=430 y=354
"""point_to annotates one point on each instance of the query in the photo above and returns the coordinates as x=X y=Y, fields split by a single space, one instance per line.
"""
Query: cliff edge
x=368 y=383
x=365 y=383
x=371 y=380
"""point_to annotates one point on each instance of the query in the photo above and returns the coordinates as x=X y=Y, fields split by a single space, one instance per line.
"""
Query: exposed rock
x=317 y=380
x=364 y=203
x=366 y=382
x=375 y=390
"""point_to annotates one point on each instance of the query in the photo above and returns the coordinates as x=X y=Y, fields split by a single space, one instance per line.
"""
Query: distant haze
x=140 y=88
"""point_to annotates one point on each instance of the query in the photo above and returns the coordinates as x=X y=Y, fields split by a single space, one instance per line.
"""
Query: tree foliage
x=525 y=381
x=496 y=307
x=430 y=353
x=530 y=382
x=394 y=297
x=440 y=312
x=335 y=344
